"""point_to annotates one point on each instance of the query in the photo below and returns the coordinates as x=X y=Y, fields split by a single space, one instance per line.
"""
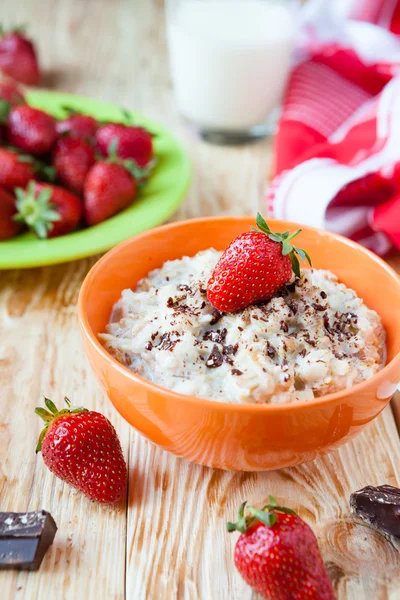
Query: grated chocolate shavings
x=215 y=336
x=166 y=343
x=216 y=316
x=270 y=350
x=319 y=307
x=236 y=372
x=148 y=346
x=323 y=295
x=284 y=326
x=230 y=349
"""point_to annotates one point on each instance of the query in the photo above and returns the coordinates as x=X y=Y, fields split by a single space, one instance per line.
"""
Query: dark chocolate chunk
x=25 y=539
x=379 y=507
x=215 y=359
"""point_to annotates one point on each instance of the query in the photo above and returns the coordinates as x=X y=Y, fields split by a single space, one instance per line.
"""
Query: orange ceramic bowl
x=220 y=434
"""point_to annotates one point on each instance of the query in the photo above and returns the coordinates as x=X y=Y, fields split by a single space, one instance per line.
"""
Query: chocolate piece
x=379 y=507
x=25 y=539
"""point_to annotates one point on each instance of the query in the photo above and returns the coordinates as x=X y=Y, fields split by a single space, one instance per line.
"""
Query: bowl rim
x=211 y=403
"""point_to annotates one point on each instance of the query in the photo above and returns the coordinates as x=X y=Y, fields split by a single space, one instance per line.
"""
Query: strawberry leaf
x=286 y=248
x=268 y=518
x=301 y=253
x=262 y=224
x=5 y=108
x=295 y=264
x=44 y=414
x=51 y=406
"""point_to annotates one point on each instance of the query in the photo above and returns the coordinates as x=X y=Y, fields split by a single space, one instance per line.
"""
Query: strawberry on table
x=18 y=57
x=31 y=129
x=48 y=210
x=72 y=160
x=82 y=448
x=277 y=554
x=109 y=188
x=126 y=141
x=16 y=170
x=253 y=268
x=77 y=126
x=8 y=226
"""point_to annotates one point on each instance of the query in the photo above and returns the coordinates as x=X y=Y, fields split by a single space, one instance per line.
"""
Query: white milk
x=230 y=60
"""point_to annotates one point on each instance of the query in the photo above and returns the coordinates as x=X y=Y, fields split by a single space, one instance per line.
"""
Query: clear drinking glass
x=230 y=60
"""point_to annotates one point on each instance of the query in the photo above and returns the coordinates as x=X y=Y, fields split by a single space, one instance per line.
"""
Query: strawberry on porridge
x=314 y=335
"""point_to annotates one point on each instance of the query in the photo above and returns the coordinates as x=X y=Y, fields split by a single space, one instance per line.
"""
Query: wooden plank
x=172 y=532
x=41 y=353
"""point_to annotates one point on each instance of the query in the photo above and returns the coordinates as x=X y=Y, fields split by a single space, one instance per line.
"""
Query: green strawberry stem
x=48 y=416
x=21 y=28
x=267 y=515
x=287 y=248
x=36 y=211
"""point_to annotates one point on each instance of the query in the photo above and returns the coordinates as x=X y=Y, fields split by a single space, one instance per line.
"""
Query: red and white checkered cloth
x=337 y=149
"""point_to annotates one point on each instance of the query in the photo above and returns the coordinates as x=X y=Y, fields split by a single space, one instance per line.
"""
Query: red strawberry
x=11 y=93
x=10 y=96
x=8 y=227
x=109 y=188
x=48 y=210
x=253 y=268
x=31 y=129
x=18 y=58
x=82 y=448
x=126 y=142
x=15 y=170
x=72 y=159
x=77 y=126
x=277 y=554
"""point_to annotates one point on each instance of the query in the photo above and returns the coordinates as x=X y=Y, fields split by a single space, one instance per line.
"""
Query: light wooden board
x=169 y=541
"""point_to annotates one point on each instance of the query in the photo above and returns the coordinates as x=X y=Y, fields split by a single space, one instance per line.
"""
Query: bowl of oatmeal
x=271 y=386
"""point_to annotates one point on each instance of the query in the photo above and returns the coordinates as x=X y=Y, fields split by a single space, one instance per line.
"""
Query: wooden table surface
x=169 y=541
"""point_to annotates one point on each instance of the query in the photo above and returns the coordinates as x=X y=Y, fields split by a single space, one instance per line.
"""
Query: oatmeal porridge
x=313 y=338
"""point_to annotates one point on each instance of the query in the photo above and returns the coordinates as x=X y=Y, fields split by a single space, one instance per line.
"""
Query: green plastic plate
x=156 y=202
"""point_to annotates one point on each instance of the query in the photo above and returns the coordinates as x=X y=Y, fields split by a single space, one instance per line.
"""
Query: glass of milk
x=230 y=61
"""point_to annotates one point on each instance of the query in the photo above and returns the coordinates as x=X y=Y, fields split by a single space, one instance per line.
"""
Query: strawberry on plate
x=82 y=448
x=8 y=226
x=77 y=126
x=253 y=268
x=72 y=159
x=18 y=57
x=31 y=129
x=109 y=188
x=10 y=95
x=16 y=170
x=48 y=210
x=277 y=554
x=126 y=142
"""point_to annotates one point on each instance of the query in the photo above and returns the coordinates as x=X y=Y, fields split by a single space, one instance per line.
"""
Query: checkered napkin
x=337 y=149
